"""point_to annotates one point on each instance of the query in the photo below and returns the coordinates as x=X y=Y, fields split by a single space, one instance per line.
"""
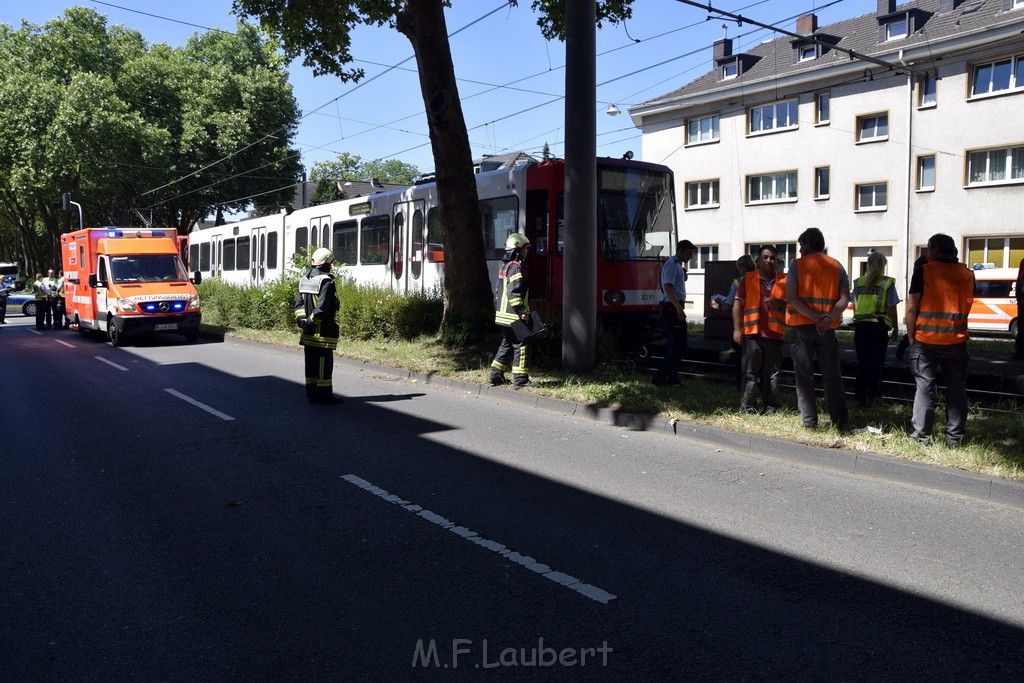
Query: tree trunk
x=468 y=302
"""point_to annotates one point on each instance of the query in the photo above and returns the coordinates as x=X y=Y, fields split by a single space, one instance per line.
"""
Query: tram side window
x=242 y=253
x=301 y=239
x=435 y=236
x=373 y=240
x=229 y=255
x=204 y=257
x=193 y=254
x=346 y=242
x=500 y=219
x=272 y=249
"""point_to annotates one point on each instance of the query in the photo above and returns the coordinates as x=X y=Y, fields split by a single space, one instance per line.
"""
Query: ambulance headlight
x=193 y=302
x=127 y=306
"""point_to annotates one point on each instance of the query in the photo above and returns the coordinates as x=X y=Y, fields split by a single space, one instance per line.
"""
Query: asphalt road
x=178 y=512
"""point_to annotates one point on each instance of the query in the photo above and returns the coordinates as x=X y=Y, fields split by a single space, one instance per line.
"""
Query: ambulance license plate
x=165 y=326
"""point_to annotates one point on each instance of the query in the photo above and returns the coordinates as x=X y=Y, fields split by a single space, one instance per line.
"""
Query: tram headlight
x=614 y=297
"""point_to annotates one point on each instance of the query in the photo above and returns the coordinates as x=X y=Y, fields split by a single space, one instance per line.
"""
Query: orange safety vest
x=818 y=287
x=752 y=304
x=945 y=303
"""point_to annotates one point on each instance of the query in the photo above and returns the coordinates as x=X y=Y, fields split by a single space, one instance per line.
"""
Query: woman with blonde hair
x=874 y=315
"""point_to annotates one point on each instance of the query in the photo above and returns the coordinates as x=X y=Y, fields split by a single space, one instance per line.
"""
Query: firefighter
x=939 y=301
x=316 y=313
x=512 y=303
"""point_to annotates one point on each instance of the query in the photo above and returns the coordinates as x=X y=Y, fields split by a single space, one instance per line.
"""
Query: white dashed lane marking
x=197 y=404
x=112 y=364
x=571 y=582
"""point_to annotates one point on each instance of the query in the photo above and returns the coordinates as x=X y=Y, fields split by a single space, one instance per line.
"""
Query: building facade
x=880 y=130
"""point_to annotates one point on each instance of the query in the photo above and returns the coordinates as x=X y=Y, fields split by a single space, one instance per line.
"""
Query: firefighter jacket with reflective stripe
x=818 y=287
x=513 y=296
x=751 y=291
x=945 y=303
x=317 y=301
x=869 y=300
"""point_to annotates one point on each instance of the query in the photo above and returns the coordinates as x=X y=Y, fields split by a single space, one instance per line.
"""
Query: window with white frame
x=897 y=28
x=786 y=253
x=772 y=187
x=999 y=76
x=822 y=105
x=871 y=196
x=821 y=182
x=774 y=116
x=704 y=129
x=926 y=90
x=872 y=128
x=994 y=166
x=808 y=52
x=702 y=253
x=702 y=194
x=926 y=172
x=1004 y=252
x=730 y=70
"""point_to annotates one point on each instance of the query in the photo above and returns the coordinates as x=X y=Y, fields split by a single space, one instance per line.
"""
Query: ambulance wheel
x=1014 y=328
x=113 y=336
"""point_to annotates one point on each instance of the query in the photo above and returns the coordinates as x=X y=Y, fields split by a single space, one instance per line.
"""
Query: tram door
x=258 y=255
x=537 y=223
x=408 y=237
x=216 y=255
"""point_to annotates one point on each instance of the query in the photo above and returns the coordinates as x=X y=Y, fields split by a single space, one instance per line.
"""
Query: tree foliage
x=96 y=111
x=326 y=174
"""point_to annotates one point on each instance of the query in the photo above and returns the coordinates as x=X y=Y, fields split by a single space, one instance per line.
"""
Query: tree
x=326 y=174
x=319 y=31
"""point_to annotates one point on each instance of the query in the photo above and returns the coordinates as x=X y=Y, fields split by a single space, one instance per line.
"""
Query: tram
x=395 y=239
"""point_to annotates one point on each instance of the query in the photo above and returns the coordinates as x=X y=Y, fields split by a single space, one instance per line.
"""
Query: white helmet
x=322 y=256
x=515 y=241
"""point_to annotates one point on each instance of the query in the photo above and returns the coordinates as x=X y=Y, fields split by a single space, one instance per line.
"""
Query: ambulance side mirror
x=197 y=279
x=92 y=280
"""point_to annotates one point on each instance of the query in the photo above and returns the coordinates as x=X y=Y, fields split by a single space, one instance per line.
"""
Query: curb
x=983 y=487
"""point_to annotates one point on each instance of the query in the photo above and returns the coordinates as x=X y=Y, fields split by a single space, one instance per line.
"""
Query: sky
x=511 y=80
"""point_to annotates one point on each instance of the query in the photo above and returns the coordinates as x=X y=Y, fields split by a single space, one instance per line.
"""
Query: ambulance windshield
x=147 y=268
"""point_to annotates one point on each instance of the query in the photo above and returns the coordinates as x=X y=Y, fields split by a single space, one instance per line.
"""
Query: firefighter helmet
x=322 y=256
x=515 y=241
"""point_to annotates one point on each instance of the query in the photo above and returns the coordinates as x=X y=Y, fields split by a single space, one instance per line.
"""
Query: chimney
x=807 y=24
x=886 y=7
x=723 y=48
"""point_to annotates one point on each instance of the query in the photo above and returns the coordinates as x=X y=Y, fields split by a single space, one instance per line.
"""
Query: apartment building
x=881 y=130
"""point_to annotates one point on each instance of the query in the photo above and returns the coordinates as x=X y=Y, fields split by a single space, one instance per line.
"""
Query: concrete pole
x=579 y=278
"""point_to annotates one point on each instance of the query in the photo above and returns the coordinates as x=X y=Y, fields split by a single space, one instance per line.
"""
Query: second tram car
x=395 y=238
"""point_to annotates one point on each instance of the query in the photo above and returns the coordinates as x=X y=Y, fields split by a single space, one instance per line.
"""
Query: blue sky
x=511 y=79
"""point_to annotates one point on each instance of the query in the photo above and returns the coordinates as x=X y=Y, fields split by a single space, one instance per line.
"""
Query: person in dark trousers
x=874 y=319
x=44 y=307
x=5 y=292
x=759 y=327
x=672 y=313
x=512 y=303
x=1018 y=342
x=316 y=314
x=940 y=299
x=817 y=291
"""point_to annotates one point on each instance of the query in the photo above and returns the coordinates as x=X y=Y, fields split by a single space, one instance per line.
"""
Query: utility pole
x=579 y=277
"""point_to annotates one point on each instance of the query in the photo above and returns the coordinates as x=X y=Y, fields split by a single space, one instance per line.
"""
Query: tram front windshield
x=635 y=214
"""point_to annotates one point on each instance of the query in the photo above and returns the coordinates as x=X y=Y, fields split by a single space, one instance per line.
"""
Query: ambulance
x=995 y=300
x=128 y=282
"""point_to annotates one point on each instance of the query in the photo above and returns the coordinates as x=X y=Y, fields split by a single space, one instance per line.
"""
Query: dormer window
x=730 y=70
x=896 y=28
x=808 y=52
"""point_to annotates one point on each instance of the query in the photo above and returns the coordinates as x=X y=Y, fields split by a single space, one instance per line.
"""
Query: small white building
x=880 y=130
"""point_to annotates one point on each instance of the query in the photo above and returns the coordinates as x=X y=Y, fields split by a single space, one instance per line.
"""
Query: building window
x=771 y=187
x=774 y=116
x=873 y=128
x=822 y=104
x=821 y=182
x=786 y=254
x=702 y=194
x=871 y=196
x=730 y=70
x=926 y=173
x=999 y=76
x=896 y=28
x=1002 y=252
x=926 y=88
x=1005 y=165
x=701 y=255
x=702 y=130
x=808 y=52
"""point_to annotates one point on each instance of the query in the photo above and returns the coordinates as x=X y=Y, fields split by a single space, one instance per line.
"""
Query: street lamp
x=613 y=111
